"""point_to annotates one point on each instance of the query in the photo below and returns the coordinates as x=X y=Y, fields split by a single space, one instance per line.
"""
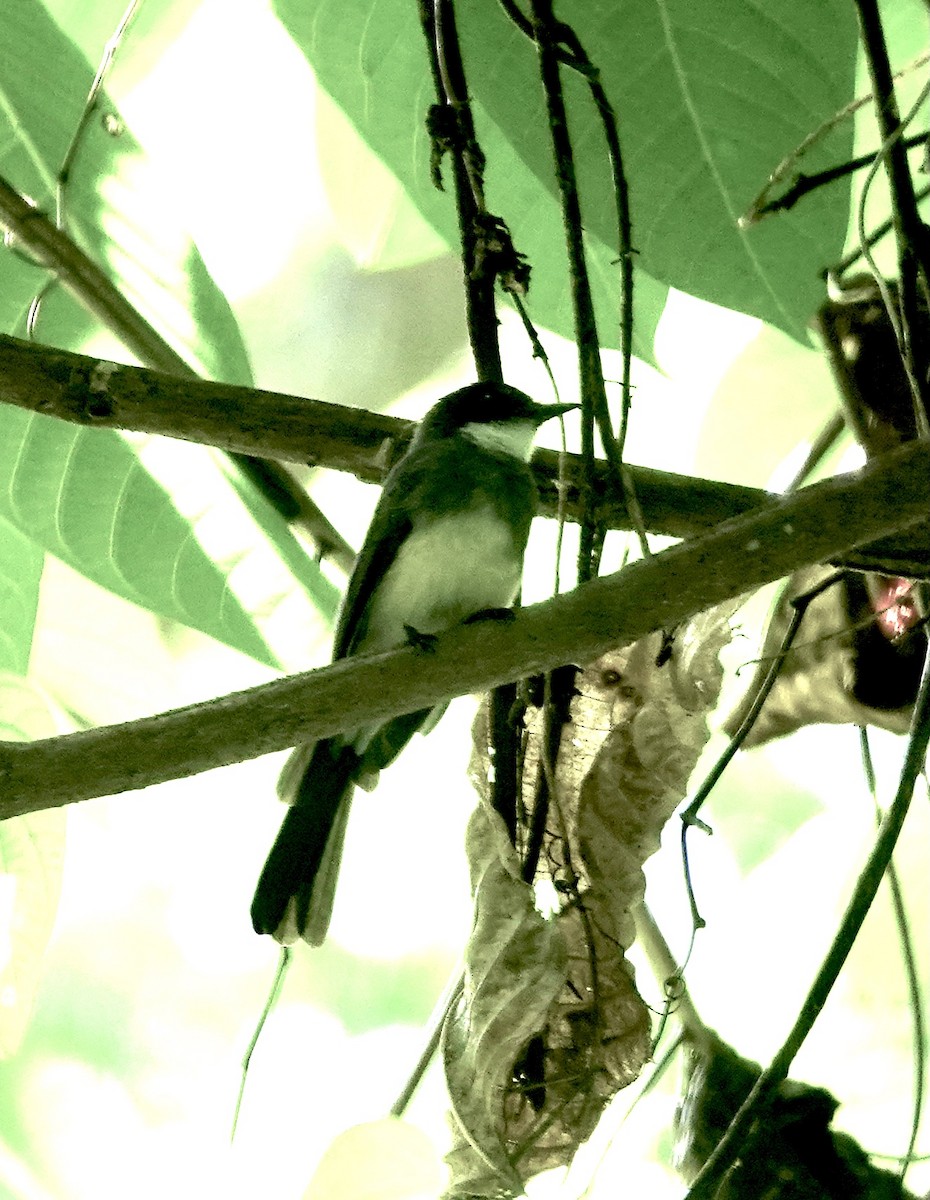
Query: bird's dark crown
x=484 y=404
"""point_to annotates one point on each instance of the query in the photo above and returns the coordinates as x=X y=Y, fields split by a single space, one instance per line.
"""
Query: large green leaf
x=370 y=56
x=87 y=499
x=21 y=562
x=116 y=206
x=322 y=592
x=126 y=532
x=710 y=97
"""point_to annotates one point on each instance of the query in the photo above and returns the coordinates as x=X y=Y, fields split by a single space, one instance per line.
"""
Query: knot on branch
x=449 y=133
x=496 y=257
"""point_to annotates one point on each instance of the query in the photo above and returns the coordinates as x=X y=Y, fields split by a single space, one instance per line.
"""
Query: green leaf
x=105 y=517
x=31 y=861
x=306 y=571
x=710 y=96
x=117 y=207
x=371 y=58
x=21 y=563
x=84 y=496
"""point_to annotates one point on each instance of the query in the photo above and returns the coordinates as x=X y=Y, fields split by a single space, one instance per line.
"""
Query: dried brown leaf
x=817 y=682
x=515 y=966
x=635 y=734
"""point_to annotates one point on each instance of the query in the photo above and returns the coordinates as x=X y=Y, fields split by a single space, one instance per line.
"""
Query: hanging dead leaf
x=843 y=667
x=636 y=729
x=514 y=968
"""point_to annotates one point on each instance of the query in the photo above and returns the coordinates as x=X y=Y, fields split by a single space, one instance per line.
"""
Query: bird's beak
x=547 y=411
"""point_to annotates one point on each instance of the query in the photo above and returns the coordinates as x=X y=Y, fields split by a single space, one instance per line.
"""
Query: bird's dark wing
x=431 y=480
x=390 y=525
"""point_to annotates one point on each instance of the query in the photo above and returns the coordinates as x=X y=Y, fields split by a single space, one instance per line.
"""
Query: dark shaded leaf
x=792 y=1154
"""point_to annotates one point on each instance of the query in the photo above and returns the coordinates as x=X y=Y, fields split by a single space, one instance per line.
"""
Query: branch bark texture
x=98 y=393
x=814 y=524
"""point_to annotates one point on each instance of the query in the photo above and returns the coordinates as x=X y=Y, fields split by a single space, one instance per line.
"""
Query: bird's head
x=494 y=415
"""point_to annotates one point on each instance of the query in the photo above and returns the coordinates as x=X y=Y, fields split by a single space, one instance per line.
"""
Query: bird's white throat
x=506 y=437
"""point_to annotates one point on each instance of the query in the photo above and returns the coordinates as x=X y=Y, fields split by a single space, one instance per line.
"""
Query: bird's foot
x=420 y=641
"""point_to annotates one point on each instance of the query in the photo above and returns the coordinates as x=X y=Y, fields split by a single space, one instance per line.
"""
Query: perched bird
x=446 y=543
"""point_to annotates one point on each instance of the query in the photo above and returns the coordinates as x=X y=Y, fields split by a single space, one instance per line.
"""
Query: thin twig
x=669 y=975
x=581 y=62
x=839 y=269
x=106 y=62
x=804 y=184
x=437 y=18
x=547 y=35
x=434 y=1027
x=789 y=164
x=909 y=960
x=569 y=50
x=761 y=691
x=284 y=960
x=910 y=232
x=591 y=380
x=753 y=1108
x=64 y=171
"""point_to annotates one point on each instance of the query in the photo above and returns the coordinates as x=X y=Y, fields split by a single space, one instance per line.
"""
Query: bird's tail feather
x=313 y=906
x=300 y=872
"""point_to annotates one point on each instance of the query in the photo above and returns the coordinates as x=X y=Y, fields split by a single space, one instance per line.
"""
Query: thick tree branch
x=107 y=395
x=93 y=392
x=809 y=526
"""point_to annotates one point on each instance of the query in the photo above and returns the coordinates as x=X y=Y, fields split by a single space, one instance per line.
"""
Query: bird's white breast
x=445 y=571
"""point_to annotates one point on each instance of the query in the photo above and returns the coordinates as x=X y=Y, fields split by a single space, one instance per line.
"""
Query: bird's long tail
x=293 y=898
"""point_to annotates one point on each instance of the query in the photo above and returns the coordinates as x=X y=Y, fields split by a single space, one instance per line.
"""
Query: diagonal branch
x=818 y=522
x=97 y=393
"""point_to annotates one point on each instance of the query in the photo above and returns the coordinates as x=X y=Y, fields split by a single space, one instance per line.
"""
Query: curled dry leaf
x=842 y=667
x=514 y=969
x=635 y=732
